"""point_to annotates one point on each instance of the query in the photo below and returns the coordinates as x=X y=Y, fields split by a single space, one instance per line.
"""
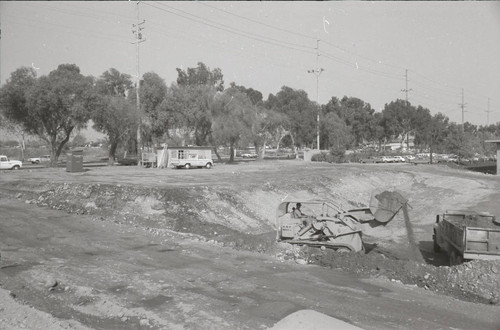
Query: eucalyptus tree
x=115 y=115
x=50 y=107
x=152 y=93
x=233 y=116
x=355 y=113
x=114 y=83
x=201 y=75
x=301 y=114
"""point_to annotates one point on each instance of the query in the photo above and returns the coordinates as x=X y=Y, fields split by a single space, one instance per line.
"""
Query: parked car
x=251 y=155
x=38 y=160
x=388 y=159
x=369 y=160
x=399 y=159
x=6 y=164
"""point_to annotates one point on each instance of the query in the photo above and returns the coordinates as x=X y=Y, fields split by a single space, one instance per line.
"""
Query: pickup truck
x=6 y=164
x=38 y=160
x=465 y=235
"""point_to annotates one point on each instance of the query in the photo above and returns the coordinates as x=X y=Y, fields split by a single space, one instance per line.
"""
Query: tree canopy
x=197 y=109
x=51 y=106
x=114 y=114
x=201 y=75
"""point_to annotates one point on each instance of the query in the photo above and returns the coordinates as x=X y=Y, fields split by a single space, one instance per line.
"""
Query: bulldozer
x=325 y=224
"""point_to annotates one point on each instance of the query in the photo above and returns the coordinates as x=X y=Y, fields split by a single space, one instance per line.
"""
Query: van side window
x=181 y=154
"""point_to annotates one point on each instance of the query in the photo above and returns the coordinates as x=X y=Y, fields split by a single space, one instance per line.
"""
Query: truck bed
x=471 y=220
x=474 y=235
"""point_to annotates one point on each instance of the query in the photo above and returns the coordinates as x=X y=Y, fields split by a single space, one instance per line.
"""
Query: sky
x=370 y=50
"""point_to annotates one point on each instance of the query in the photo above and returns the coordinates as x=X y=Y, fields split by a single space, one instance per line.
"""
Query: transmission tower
x=462 y=106
x=488 y=113
x=406 y=90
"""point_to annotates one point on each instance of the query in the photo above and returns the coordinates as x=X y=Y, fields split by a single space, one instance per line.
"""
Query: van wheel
x=188 y=166
x=209 y=165
x=16 y=167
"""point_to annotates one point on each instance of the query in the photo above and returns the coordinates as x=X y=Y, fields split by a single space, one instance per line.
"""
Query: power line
x=94 y=14
x=362 y=66
x=351 y=65
x=233 y=30
x=299 y=34
x=363 y=57
x=448 y=87
x=220 y=46
x=71 y=29
x=257 y=22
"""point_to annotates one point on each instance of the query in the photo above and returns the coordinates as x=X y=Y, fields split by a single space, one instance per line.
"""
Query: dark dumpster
x=74 y=162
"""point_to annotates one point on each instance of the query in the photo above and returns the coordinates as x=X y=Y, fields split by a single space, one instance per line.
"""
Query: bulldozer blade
x=385 y=205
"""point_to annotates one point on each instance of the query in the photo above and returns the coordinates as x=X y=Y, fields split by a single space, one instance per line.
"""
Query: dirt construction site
x=145 y=248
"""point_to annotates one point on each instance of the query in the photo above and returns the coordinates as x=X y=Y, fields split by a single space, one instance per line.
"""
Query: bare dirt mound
x=234 y=206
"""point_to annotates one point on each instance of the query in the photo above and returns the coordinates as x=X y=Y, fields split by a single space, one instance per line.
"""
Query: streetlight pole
x=317 y=73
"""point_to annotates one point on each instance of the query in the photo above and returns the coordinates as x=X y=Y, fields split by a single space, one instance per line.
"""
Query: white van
x=188 y=157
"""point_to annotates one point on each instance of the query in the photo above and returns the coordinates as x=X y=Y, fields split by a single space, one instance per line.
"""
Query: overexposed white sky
x=365 y=47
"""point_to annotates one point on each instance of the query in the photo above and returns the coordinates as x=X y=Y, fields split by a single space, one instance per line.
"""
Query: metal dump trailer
x=467 y=235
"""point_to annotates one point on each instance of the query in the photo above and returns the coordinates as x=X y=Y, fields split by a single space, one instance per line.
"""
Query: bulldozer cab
x=310 y=208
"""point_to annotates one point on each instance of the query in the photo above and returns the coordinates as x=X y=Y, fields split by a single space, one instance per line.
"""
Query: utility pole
x=317 y=73
x=406 y=90
x=488 y=113
x=462 y=105
x=137 y=28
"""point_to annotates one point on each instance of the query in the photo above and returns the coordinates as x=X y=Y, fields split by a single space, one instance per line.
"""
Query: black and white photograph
x=281 y=165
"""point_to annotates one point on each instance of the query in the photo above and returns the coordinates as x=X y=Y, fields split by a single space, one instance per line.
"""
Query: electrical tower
x=462 y=106
x=137 y=28
x=317 y=73
x=406 y=90
x=488 y=113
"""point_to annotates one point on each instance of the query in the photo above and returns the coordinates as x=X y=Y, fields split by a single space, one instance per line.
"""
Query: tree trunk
x=295 y=148
x=23 y=148
x=62 y=144
x=262 y=152
x=216 y=153
x=214 y=147
x=53 y=151
x=231 y=152
x=111 y=153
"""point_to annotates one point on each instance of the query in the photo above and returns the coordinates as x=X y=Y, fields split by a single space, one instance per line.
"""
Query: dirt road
x=136 y=248
x=116 y=276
